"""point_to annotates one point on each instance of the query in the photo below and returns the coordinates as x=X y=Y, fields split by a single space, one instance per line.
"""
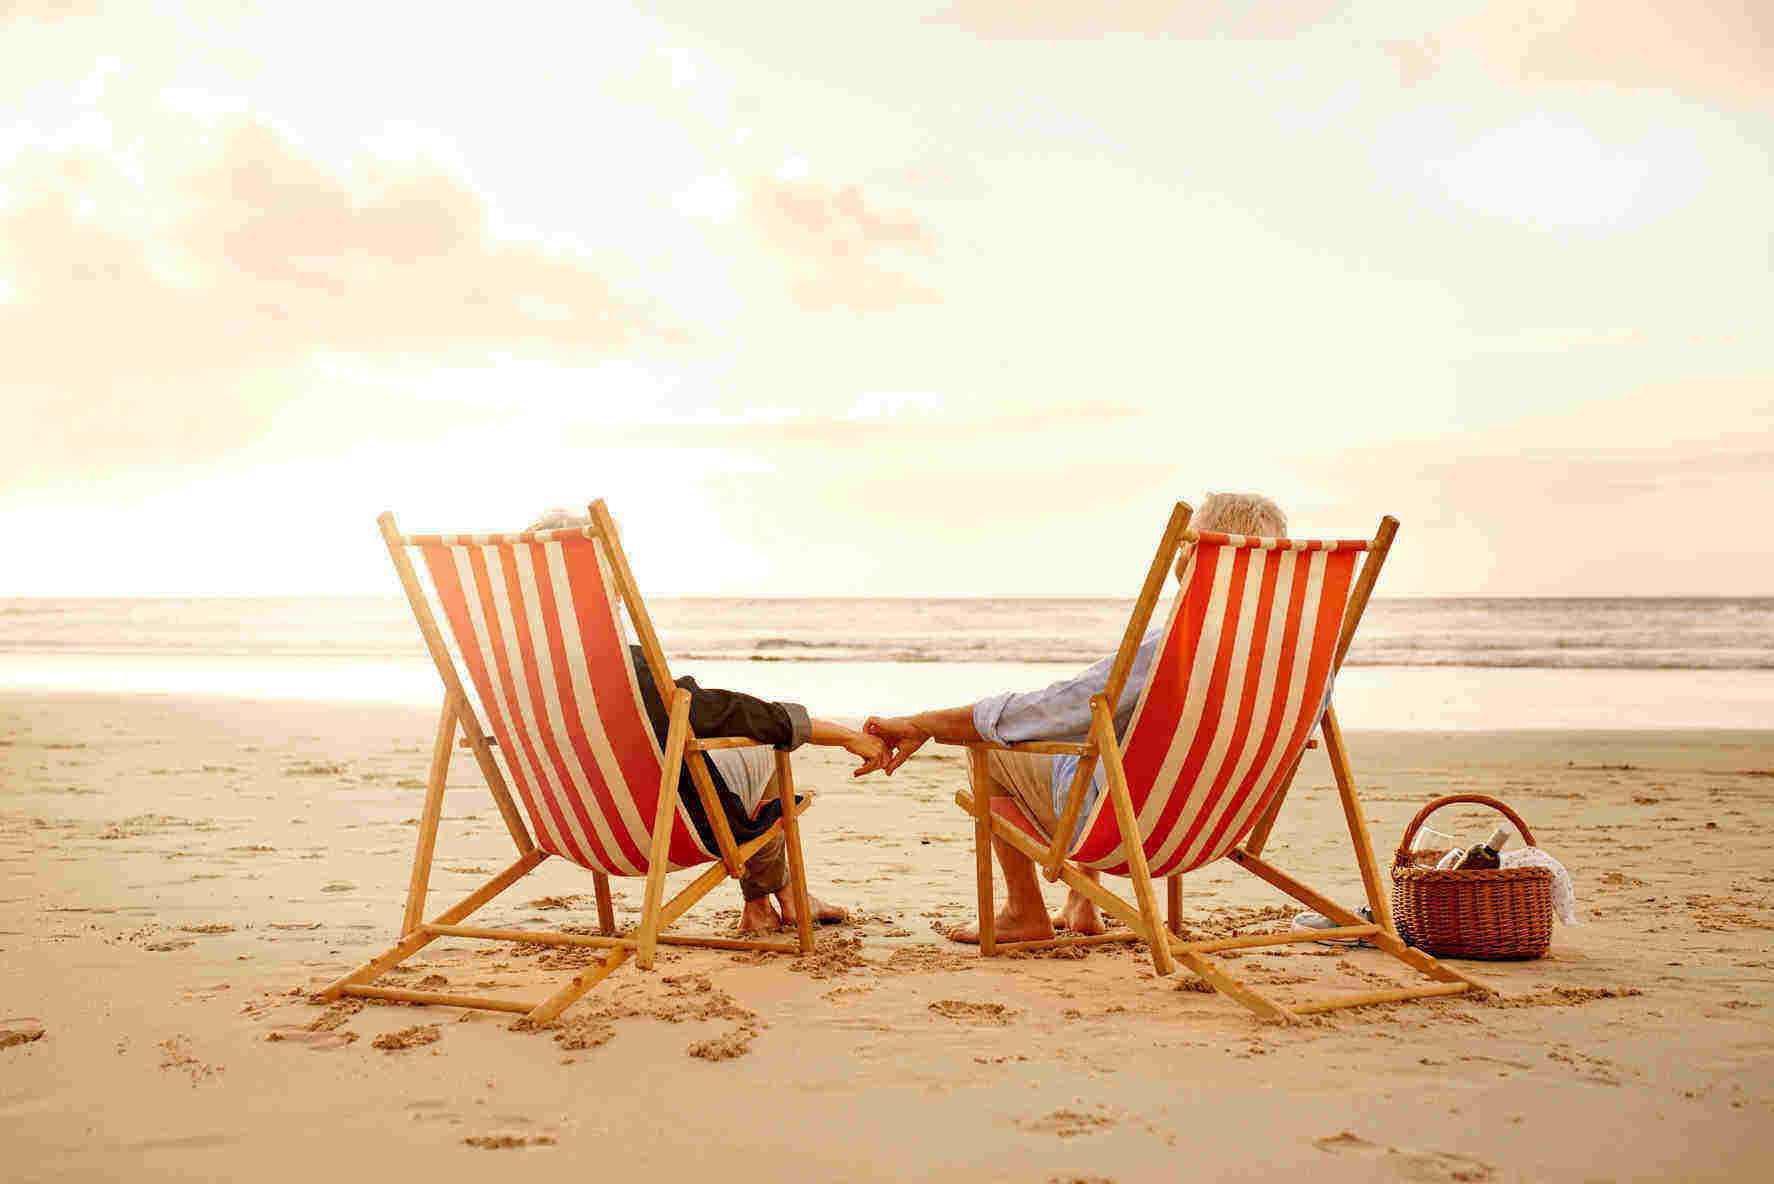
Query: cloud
x=1720 y=48
x=897 y=421
x=1067 y=19
x=44 y=11
x=138 y=285
x=837 y=249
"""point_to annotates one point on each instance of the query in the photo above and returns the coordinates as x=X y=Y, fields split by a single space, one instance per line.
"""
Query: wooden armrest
x=725 y=742
x=1036 y=746
x=465 y=742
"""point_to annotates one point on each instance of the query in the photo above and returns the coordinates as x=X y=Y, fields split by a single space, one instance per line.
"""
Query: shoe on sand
x=1320 y=921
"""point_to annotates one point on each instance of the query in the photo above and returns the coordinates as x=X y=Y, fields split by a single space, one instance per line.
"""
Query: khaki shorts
x=767 y=870
x=1028 y=778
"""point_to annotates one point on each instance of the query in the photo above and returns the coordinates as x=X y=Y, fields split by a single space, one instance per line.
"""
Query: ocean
x=1431 y=663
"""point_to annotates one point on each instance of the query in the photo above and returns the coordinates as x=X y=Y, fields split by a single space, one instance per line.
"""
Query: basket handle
x=1410 y=832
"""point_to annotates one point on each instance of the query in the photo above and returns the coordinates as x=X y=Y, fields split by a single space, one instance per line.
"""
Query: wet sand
x=177 y=873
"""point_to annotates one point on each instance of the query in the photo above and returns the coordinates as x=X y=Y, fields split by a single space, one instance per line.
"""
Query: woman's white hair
x=1240 y=513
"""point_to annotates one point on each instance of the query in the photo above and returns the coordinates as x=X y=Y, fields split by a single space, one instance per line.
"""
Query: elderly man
x=745 y=778
x=1060 y=712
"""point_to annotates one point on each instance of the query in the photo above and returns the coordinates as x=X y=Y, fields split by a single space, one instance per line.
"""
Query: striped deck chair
x=536 y=621
x=1241 y=679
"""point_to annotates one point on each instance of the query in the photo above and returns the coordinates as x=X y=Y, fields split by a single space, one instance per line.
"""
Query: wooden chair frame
x=1141 y=916
x=657 y=914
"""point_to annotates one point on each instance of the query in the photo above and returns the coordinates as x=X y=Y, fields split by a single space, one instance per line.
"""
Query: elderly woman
x=745 y=778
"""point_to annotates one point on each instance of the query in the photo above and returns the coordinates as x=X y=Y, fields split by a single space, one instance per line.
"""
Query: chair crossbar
x=1078 y=939
x=605 y=941
x=1367 y=999
x=528 y=936
x=1038 y=747
x=1274 y=939
x=1251 y=542
x=397 y=995
x=496 y=540
x=1201 y=947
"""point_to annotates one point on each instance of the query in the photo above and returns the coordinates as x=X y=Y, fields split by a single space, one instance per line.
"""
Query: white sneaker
x=1320 y=921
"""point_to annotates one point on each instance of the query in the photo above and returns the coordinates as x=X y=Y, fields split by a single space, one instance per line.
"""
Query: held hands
x=902 y=737
x=873 y=752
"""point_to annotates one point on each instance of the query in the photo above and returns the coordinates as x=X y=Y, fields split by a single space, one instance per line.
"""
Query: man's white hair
x=1240 y=513
x=558 y=518
x=561 y=518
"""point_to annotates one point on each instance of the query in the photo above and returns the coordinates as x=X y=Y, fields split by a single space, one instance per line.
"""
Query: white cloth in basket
x=1564 y=896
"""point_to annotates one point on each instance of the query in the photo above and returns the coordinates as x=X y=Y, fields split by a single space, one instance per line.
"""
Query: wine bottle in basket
x=1484 y=857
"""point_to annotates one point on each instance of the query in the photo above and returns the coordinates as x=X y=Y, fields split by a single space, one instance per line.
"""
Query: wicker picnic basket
x=1492 y=914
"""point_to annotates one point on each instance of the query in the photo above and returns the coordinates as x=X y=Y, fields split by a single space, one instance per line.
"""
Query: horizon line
x=395 y=596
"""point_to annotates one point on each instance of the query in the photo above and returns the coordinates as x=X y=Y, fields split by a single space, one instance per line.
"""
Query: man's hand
x=902 y=736
x=873 y=752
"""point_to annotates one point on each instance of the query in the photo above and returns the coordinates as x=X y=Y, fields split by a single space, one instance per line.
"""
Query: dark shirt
x=723 y=713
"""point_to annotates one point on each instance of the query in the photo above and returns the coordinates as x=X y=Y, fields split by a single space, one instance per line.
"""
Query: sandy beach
x=177 y=873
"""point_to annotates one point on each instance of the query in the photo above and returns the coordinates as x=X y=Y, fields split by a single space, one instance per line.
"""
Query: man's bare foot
x=1006 y=928
x=1080 y=916
x=825 y=914
x=760 y=916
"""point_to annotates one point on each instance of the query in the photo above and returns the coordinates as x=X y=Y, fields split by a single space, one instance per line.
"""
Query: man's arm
x=1059 y=711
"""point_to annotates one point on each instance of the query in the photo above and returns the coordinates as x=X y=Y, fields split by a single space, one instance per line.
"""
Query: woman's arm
x=870 y=748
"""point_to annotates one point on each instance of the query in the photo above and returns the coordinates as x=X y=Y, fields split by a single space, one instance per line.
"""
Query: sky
x=910 y=299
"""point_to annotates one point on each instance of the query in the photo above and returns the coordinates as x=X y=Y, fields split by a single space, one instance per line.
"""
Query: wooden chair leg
x=441 y=748
x=1234 y=988
x=1377 y=899
x=1387 y=940
x=1103 y=728
x=982 y=850
x=606 y=910
x=663 y=817
x=797 y=864
x=667 y=913
x=417 y=940
x=1175 y=904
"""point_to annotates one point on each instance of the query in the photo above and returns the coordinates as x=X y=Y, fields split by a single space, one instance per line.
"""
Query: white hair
x=558 y=518
x=561 y=518
x=1240 y=513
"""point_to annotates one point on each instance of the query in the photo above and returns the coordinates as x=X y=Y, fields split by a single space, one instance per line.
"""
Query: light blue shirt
x=1061 y=711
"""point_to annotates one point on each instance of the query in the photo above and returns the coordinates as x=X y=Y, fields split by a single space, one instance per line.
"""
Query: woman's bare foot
x=1006 y=928
x=825 y=914
x=759 y=916
x=1080 y=916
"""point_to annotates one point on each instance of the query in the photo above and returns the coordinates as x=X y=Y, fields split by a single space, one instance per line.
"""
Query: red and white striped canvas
x=1240 y=680
x=537 y=622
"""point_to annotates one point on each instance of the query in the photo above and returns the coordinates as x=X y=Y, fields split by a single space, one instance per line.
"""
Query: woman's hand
x=902 y=736
x=872 y=751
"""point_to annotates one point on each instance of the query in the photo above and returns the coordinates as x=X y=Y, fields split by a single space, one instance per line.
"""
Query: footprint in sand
x=508 y=1142
x=413 y=1037
x=318 y=1041
x=975 y=1013
x=1067 y=1123
x=21 y=1029
x=1427 y=1167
